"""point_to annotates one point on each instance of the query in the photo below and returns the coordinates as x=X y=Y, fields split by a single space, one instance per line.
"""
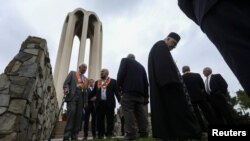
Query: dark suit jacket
x=70 y=83
x=195 y=86
x=218 y=85
x=196 y=9
x=132 y=77
x=111 y=92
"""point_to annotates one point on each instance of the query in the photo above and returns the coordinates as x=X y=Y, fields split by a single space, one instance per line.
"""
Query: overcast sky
x=129 y=26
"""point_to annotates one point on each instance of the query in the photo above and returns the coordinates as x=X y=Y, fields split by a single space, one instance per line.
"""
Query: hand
x=66 y=91
x=93 y=98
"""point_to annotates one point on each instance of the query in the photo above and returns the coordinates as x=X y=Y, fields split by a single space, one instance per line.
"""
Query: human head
x=185 y=69
x=207 y=71
x=82 y=68
x=131 y=56
x=104 y=73
x=91 y=82
x=172 y=40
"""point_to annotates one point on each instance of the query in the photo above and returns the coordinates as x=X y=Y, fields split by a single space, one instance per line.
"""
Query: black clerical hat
x=175 y=36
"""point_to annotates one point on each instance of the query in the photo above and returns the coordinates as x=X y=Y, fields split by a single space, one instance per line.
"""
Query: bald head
x=82 y=68
x=131 y=56
x=104 y=73
x=185 y=69
x=207 y=71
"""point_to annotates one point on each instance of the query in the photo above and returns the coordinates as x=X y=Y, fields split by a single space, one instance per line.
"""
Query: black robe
x=171 y=111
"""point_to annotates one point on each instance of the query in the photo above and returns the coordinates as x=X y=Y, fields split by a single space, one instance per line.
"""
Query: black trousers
x=222 y=109
x=105 y=113
x=122 y=126
x=227 y=26
x=208 y=112
x=90 y=110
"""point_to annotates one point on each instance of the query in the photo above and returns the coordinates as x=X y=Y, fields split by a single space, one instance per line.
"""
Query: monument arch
x=85 y=25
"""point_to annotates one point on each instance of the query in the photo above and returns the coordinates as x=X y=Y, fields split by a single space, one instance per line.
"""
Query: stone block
x=31 y=51
x=21 y=124
x=27 y=111
x=9 y=66
x=4 y=100
x=18 y=80
x=22 y=56
x=7 y=122
x=31 y=45
x=29 y=90
x=17 y=106
x=29 y=70
x=16 y=67
x=30 y=61
x=16 y=91
x=2 y=110
x=10 y=137
x=4 y=84
x=22 y=136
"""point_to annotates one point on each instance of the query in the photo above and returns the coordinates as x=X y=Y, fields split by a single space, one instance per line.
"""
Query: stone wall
x=28 y=104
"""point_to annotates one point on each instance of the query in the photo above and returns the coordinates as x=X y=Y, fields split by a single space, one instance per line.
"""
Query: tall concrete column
x=81 y=54
x=96 y=52
x=78 y=23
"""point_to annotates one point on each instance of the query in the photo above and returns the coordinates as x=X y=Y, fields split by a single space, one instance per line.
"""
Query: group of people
x=85 y=97
x=178 y=102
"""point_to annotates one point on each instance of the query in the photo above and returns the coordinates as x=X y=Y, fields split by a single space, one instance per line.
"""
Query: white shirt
x=207 y=84
x=103 y=91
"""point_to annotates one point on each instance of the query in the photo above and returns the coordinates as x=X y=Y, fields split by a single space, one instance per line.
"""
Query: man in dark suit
x=226 y=24
x=105 y=91
x=74 y=88
x=196 y=90
x=132 y=79
x=216 y=87
x=90 y=109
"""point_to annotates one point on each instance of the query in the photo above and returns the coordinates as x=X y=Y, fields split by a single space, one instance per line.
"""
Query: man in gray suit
x=74 y=87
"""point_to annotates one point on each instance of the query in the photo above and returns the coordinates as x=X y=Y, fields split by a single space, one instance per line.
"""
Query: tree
x=243 y=99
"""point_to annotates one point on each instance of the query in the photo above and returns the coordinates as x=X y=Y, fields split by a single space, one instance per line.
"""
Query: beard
x=171 y=47
x=103 y=76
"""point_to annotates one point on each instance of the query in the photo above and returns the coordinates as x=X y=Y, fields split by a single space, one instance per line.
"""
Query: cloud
x=130 y=26
x=14 y=30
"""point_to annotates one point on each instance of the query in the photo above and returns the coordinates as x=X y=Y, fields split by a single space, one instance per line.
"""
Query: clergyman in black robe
x=172 y=114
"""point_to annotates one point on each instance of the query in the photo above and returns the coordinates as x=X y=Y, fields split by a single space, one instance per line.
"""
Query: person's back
x=195 y=85
x=132 y=80
x=135 y=79
x=196 y=89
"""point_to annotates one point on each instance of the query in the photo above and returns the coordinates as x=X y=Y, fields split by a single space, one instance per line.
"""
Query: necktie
x=207 y=86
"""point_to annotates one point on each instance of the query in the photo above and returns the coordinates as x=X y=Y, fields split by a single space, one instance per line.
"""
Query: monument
x=85 y=25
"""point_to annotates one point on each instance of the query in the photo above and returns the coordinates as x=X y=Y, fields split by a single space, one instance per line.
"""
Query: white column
x=95 y=52
x=83 y=39
x=65 y=57
x=59 y=52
